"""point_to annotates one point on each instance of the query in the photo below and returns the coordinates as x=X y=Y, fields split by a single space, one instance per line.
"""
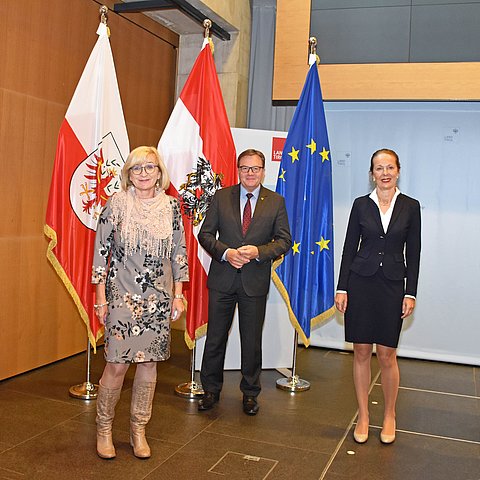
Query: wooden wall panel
x=393 y=81
x=290 y=63
x=44 y=47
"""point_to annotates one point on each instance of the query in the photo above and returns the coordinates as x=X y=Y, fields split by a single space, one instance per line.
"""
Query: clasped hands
x=238 y=257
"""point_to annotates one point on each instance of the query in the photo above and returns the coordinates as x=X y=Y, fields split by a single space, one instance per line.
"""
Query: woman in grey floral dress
x=139 y=265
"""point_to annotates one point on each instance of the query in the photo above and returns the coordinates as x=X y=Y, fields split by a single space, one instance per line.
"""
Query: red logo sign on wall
x=277 y=148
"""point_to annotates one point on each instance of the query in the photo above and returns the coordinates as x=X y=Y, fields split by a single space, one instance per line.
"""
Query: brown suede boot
x=140 y=413
x=107 y=399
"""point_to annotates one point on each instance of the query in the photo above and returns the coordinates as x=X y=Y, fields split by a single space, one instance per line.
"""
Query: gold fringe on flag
x=52 y=235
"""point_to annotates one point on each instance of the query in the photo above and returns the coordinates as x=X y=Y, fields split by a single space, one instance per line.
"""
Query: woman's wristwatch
x=179 y=296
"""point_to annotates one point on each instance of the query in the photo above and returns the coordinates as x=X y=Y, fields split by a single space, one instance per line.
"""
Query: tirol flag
x=305 y=277
x=198 y=150
x=91 y=150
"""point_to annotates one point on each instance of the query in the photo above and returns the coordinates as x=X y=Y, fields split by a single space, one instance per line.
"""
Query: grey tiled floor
x=46 y=434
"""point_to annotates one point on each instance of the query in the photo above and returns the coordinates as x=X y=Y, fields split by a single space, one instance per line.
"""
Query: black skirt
x=374 y=309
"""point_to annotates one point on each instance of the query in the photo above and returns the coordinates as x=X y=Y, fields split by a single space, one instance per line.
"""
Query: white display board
x=278 y=333
x=439 y=148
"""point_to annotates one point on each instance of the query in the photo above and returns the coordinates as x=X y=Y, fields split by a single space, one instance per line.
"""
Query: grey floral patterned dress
x=139 y=290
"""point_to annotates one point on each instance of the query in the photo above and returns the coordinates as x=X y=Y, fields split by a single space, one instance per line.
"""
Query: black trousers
x=251 y=314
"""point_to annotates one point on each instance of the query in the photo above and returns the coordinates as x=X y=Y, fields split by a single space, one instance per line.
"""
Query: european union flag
x=305 y=277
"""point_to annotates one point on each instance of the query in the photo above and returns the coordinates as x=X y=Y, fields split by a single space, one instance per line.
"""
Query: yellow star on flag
x=324 y=153
x=282 y=175
x=294 y=154
x=312 y=146
x=323 y=243
x=295 y=247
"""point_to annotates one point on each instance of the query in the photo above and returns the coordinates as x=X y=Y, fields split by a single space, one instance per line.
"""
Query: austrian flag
x=91 y=150
x=198 y=150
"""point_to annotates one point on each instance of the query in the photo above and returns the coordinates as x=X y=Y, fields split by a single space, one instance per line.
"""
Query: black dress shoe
x=208 y=401
x=250 y=405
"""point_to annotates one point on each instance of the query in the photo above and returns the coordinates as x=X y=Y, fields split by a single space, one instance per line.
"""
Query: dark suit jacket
x=269 y=231
x=398 y=249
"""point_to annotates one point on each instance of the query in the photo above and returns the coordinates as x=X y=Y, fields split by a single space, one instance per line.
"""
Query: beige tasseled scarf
x=144 y=224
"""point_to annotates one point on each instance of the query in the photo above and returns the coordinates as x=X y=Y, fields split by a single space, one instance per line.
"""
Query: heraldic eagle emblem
x=197 y=192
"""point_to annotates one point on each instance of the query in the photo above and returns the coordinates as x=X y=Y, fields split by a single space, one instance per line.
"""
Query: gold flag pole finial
x=103 y=14
x=312 y=50
x=207 y=25
x=104 y=17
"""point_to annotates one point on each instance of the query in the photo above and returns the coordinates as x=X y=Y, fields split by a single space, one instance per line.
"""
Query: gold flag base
x=84 y=391
x=191 y=390
x=293 y=384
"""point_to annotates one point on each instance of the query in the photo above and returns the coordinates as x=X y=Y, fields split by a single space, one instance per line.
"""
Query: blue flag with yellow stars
x=305 y=276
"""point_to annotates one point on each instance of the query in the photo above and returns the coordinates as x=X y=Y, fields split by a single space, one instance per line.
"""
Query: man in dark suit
x=245 y=229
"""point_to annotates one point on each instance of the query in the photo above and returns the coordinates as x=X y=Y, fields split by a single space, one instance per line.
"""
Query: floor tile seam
x=338 y=447
x=475 y=384
x=345 y=434
x=181 y=447
x=379 y=427
x=431 y=435
x=461 y=395
x=9 y=470
x=339 y=352
x=127 y=432
x=37 y=435
x=74 y=418
x=56 y=400
x=162 y=463
x=281 y=445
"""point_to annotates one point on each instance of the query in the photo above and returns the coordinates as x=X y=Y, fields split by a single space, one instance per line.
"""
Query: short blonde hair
x=139 y=155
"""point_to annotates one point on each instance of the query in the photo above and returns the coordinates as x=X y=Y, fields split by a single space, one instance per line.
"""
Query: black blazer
x=367 y=245
x=269 y=232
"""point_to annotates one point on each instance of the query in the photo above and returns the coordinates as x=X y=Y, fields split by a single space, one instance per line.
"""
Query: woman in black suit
x=378 y=283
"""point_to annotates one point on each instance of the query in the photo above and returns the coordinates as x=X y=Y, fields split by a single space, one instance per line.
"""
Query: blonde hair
x=139 y=155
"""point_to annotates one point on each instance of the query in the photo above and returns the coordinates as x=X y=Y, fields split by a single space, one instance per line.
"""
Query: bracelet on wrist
x=179 y=296
x=98 y=305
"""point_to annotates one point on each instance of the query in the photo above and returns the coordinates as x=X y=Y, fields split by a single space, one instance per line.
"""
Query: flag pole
x=293 y=383
x=86 y=390
x=191 y=389
x=199 y=163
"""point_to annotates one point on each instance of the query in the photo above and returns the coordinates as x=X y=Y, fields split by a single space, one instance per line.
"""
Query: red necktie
x=247 y=214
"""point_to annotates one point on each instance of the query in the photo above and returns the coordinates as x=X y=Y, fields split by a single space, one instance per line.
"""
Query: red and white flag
x=198 y=150
x=91 y=150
